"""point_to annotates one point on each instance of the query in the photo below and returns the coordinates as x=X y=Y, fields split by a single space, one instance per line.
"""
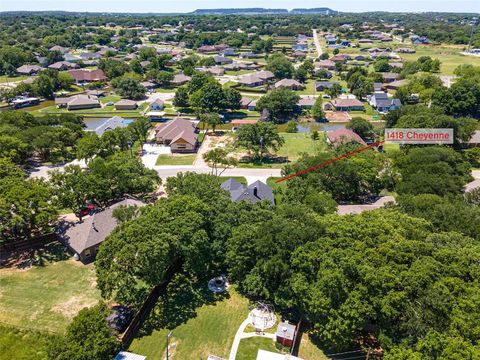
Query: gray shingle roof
x=254 y=193
x=94 y=229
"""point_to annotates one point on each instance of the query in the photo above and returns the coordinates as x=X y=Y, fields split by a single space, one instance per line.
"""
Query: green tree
x=281 y=104
x=88 y=146
x=280 y=66
x=317 y=109
x=181 y=97
x=87 y=337
x=259 y=138
x=140 y=129
x=164 y=78
x=362 y=127
x=129 y=88
x=218 y=158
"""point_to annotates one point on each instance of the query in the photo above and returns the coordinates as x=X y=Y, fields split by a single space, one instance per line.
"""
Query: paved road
x=316 y=41
x=357 y=209
x=475 y=183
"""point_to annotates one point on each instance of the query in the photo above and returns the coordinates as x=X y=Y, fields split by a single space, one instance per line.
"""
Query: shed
x=286 y=333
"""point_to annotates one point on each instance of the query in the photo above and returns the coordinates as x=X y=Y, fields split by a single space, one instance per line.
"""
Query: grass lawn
x=175 y=160
x=248 y=348
x=295 y=144
x=5 y=79
x=309 y=88
x=210 y=332
x=46 y=298
x=298 y=143
x=22 y=344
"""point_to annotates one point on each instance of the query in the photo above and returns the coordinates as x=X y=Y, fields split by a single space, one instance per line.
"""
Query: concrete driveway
x=151 y=152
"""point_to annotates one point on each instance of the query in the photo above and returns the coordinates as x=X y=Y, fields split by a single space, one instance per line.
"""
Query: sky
x=165 y=6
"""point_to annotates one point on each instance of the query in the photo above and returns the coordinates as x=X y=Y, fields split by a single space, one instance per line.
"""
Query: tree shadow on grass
x=179 y=304
x=36 y=256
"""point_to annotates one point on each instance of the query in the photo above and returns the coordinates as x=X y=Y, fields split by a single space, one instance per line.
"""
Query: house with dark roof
x=253 y=193
x=383 y=103
x=222 y=60
x=179 y=134
x=84 y=238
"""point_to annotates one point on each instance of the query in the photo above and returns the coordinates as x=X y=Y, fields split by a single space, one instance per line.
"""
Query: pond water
x=93 y=123
x=307 y=127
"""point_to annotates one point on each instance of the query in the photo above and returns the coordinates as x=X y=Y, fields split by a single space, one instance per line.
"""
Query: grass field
x=22 y=344
x=5 y=79
x=210 y=332
x=248 y=348
x=46 y=298
x=175 y=160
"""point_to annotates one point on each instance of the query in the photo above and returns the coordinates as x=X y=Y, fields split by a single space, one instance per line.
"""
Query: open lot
x=47 y=297
x=175 y=159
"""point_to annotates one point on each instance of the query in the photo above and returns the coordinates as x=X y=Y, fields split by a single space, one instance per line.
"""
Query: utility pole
x=168 y=340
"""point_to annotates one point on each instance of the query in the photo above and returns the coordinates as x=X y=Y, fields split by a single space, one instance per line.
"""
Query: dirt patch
x=72 y=306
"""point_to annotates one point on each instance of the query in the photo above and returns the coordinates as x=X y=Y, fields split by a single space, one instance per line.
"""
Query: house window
x=181 y=146
x=87 y=252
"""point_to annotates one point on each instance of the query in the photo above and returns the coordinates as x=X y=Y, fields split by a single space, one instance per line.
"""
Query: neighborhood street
x=317 y=42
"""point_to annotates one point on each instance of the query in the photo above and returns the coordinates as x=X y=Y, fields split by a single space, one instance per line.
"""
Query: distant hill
x=324 y=10
x=253 y=11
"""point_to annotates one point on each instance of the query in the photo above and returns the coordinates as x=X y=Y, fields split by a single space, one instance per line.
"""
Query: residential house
x=244 y=102
x=474 y=140
x=290 y=84
x=306 y=102
x=251 y=80
x=389 y=77
x=325 y=64
x=341 y=58
x=63 y=66
x=126 y=104
x=406 y=50
x=348 y=105
x=97 y=93
x=84 y=238
x=179 y=134
x=206 y=49
x=180 y=79
x=253 y=193
x=343 y=136
x=111 y=124
x=90 y=56
x=249 y=55
x=213 y=70
x=222 y=60
x=125 y=355
x=77 y=102
x=394 y=85
x=82 y=76
x=229 y=52
x=378 y=87
x=29 y=69
x=383 y=103
x=149 y=85
x=252 y=106
x=323 y=85
x=62 y=50
x=156 y=105
x=71 y=57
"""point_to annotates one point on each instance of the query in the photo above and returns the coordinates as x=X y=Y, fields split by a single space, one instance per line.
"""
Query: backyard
x=46 y=297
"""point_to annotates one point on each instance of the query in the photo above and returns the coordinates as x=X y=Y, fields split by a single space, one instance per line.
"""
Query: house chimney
x=93 y=226
x=255 y=191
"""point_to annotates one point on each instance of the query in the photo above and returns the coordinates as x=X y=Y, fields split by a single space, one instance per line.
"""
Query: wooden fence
x=30 y=243
x=147 y=306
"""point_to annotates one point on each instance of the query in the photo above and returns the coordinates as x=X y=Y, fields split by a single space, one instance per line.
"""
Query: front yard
x=176 y=159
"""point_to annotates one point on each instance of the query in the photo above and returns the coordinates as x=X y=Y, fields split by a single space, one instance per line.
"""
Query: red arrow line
x=329 y=162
